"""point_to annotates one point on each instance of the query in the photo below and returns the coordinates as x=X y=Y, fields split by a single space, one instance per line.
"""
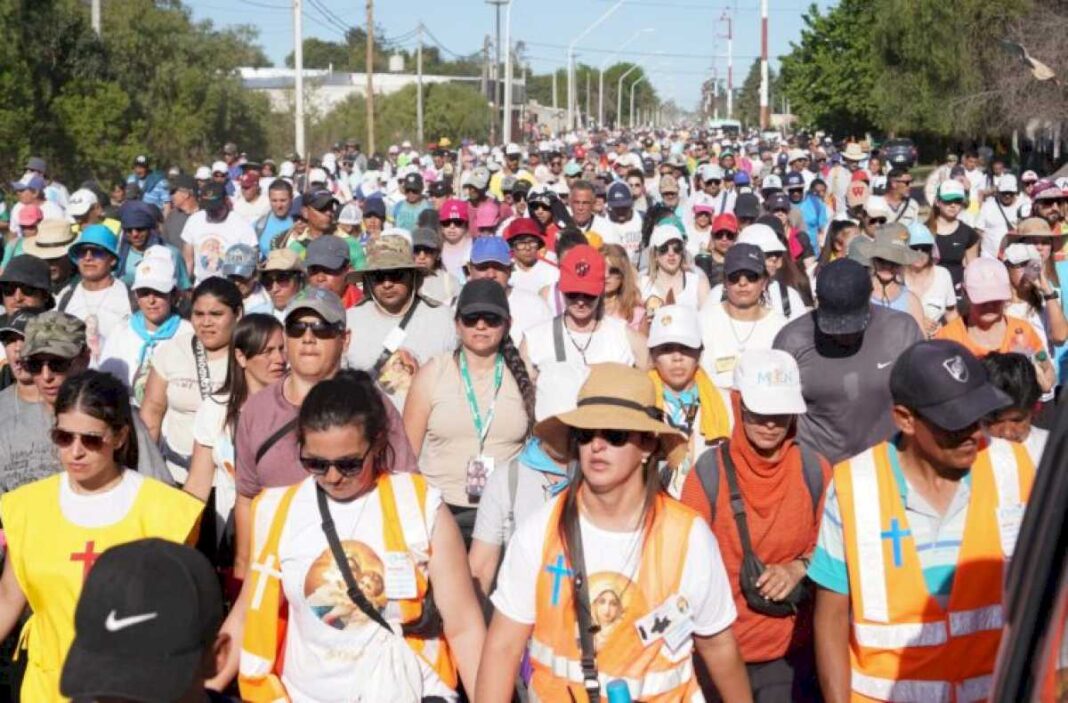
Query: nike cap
x=146 y=614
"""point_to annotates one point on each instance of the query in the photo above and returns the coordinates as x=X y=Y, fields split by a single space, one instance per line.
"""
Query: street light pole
x=619 y=95
x=419 y=87
x=765 y=117
x=496 y=73
x=507 y=138
x=632 y=87
x=600 y=71
x=571 y=62
x=726 y=17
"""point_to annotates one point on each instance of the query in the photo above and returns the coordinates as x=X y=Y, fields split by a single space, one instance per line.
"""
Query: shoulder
x=797 y=333
x=264 y=401
x=30 y=492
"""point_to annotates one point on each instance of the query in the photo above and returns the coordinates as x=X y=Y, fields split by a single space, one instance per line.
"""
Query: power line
x=265 y=5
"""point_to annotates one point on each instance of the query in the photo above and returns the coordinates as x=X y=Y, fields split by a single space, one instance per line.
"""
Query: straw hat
x=53 y=241
x=387 y=253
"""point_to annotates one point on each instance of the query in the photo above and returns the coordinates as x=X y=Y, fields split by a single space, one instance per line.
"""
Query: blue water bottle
x=618 y=692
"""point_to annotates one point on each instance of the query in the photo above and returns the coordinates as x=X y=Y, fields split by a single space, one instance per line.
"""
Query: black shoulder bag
x=581 y=598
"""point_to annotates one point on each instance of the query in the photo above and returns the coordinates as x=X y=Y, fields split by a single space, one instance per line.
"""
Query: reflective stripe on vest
x=912 y=691
x=653 y=683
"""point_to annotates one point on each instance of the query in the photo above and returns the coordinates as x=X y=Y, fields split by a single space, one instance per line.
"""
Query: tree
x=324 y=54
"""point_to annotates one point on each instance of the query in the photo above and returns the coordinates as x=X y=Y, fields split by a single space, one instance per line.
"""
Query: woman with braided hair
x=471 y=411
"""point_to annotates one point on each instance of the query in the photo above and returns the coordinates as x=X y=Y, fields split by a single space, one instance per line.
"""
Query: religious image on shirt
x=326 y=593
x=210 y=254
x=92 y=336
x=615 y=601
x=397 y=373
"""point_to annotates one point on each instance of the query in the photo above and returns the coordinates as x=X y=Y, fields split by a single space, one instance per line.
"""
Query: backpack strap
x=558 y=338
x=707 y=469
x=784 y=296
x=813 y=473
x=64 y=300
x=274 y=439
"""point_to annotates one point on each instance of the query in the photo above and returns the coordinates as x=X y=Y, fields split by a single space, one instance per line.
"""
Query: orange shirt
x=1014 y=329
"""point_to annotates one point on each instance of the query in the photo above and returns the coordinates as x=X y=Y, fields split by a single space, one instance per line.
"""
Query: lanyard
x=482 y=427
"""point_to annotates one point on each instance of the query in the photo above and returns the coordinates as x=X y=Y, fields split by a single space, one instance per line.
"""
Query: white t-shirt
x=331 y=646
x=209 y=430
x=687 y=295
x=210 y=240
x=538 y=276
x=940 y=295
x=252 y=211
x=121 y=357
x=994 y=222
x=725 y=339
x=258 y=301
x=774 y=299
x=609 y=342
x=697 y=240
x=103 y=312
x=100 y=509
x=615 y=557
x=627 y=234
x=528 y=310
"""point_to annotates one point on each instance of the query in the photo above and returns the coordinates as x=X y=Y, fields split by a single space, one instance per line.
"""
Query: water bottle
x=618 y=692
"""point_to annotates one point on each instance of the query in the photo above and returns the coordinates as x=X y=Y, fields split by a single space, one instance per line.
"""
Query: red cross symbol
x=88 y=557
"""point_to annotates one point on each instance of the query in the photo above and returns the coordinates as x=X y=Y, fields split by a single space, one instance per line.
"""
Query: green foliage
x=747 y=101
x=539 y=87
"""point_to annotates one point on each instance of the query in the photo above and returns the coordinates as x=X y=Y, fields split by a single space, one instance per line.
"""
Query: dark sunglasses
x=284 y=277
x=429 y=251
x=877 y=220
x=36 y=364
x=617 y=438
x=8 y=289
x=904 y=181
x=518 y=196
x=472 y=319
x=295 y=329
x=613 y=271
x=737 y=276
x=716 y=181
x=312 y=270
x=396 y=276
x=65 y=438
x=349 y=466
x=725 y=234
x=676 y=247
x=924 y=248
x=453 y=223
x=93 y=252
x=580 y=297
x=149 y=293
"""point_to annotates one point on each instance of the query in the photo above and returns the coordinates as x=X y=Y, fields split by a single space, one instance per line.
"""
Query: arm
x=971 y=253
x=1057 y=330
x=702 y=290
x=187 y=256
x=154 y=405
x=831 y=623
x=461 y=615
x=417 y=405
x=506 y=639
x=639 y=348
x=483 y=560
x=242 y=534
x=12 y=599
x=201 y=472
x=234 y=626
x=720 y=654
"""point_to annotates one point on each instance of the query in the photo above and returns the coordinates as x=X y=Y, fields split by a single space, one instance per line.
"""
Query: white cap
x=287 y=169
x=317 y=175
x=709 y=172
x=155 y=271
x=770 y=181
x=1028 y=176
x=951 y=187
x=1007 y=184
x=556 y=391
x=762 y=236
x=876 y=207
x=393 y=149
x=796 y=154
x=406 y=144
x=220 y=167
x=662 y=234
x=397 y=232
x=203 y=173
x=80 y=202
x=350 y=215
x=513 y=148
x=770 y=382
x=1021 y=253
x=675 y=324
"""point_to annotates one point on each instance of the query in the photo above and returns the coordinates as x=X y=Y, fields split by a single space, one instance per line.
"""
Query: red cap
x=582 y=271
x=522 y=226
x=453 y=209
x=727 y=221
x=860 y=175
x=250 y=180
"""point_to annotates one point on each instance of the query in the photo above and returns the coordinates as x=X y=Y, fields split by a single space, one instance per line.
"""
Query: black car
x=899 y=153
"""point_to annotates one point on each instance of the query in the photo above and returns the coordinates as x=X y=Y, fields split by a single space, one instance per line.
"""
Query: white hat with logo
x=770 y=382
x=675 y=324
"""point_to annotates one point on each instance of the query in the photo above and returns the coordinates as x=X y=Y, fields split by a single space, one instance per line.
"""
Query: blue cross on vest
x=559 y=571
x=896 y=534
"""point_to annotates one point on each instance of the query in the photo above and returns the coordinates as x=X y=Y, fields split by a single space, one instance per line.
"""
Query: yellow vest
x=52 y=557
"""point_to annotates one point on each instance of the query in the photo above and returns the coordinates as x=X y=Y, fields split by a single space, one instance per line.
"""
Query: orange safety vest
x=402 y=497
x=903 y=645
x=653 y=673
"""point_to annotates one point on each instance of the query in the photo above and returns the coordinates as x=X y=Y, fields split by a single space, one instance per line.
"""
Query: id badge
x=478 y=470
x=725 y=364
x=394 y=339
x=671 y=622
x=400 y=576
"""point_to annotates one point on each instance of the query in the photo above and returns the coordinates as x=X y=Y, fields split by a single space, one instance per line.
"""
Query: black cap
x=14 y=324
x=374 y=206
x=29 y=271
x=944 y=382
x=483 y=295
x=747 y=205
x=413 y=182
x=440 y=189
x=212 y=195
x=327 y=251
x=744 y=257
x=147 y=612
x=182 y=181
x=843 y=295
x=778 y=201
x=319 y=199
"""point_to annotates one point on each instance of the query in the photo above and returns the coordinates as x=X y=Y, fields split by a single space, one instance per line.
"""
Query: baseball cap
x=440 y=189
x=1021 y=253
x=56 y=333
x=582 y=270
x=322 y=302
x=771 y=182
x=412 y=182
x=675 y=324
x=483 y=295
x=453 y=209
x=250 y=180
x=618 y=196
x=202 y=173
x=136 y=215
x=668 y=184
x=426 y=237
x=29 y=271
x=240 y=260
x=725 y=222
x=81 y=202
x=572 y=168
x=794 y=181
x=30 y=215
x=140 y=160
x=212 y=195
x=14 y=324
x=769 y=382
x=220 y=167
x=778 y=201
x=32 y=183
x=945 y=384
x=350 y=215
x=857 y=194
x=985 y=280
x=374 y=207
x=1007 y=184
x=874 y=207
x=147 y=612
x=744 y=257
x=319 y=199
x=762 y=236
x=36 y=163
x=1028 y=176
x=282 y=260
x=843 y=295
x=523 y=226
x=490 y=249
x=479 y=178
x=741 y=178
x=796 y=154
x=156 y=270
x=747 y=205
x=327 y=251
x=317 y=176
x=920 y=235
x=951 y=191
x=662 y=234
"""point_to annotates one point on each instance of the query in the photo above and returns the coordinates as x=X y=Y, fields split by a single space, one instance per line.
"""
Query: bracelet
x=1054 y=295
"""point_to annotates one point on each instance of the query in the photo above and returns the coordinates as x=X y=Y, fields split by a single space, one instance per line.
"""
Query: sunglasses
x=348 y=466
x=398 y=276
x=453 y=223
x=472 y=319
x=615 y=272
x=65 y=438
x=675 y=247
x=282 y=277
x=539 y=206
x=923 y=248
x=714 y=181
x=725 y=234
x=8 y=289
x=143 y=293
x=877 y=220
x=36 y=364
x=490 y=266
x=580 y=298
x=296 y=329
x=313 y=270
x=617 y=438
x=904 y=181
x=92 y=252
x=737 y=276
x=428 y=251
x=526 y=243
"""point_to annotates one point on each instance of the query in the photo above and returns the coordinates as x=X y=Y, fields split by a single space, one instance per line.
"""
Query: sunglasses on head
x=617 y=438
x=36 y=364
x=65 y=438
x=675 y=247
x=8 y=289
x=269 y=278
x=453 y=223
x=347 y=466
x=472 y=319
x=737 y=276
x=397 y=276
x=320 y=329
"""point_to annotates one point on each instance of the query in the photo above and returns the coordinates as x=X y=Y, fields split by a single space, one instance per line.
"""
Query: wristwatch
x=1054 y=295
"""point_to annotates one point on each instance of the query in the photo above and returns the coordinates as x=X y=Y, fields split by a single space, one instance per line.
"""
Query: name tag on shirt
x=1009 y=520
x=670 y=622
x=400 y=576
x=725 y=364
x=394 y=339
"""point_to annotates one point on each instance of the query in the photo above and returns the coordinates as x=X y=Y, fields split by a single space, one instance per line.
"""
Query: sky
x=687 y=32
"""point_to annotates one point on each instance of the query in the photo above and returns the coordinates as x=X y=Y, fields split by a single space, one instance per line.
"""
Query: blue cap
x=135 y=214
x=741 y=178
x=34 y=183
x=619 y=196
x=572 y=168
x=919 y=235
x=240 y=260
x=490 y=249
x=374 y=206
x=793 y=180
x=97 y=236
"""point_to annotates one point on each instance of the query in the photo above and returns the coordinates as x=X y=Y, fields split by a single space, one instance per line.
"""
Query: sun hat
x=53 y=241
x=582 y=270
x=97 y=236
x=675 y=324
x=762 y=236
x=853 y=152
x=919 y=235
x=1021 y=253
x=945 y=384
x=891 y=244
x=27 y=270
x=155 y=271
x=1034 y=227
x=387 y=253
x=769 y=382
x=662 y=234
x=843 y=295
x=951 y=191
x=483 y=295
x=986 y=280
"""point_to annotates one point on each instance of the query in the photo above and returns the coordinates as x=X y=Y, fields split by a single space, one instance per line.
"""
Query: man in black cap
x=209 y=233
x=12 y=335
x=845 y=349
x=915 y=537
x=26 y=283
x=318 y=213
x=327 y=264
x=406 y=212
x=147 y=627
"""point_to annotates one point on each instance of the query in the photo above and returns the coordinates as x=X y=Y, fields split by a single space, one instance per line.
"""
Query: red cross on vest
x=88 y=558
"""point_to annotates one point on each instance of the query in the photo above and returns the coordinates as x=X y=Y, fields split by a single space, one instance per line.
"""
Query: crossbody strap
x=737 y=505
x=200 y=357
x=581 y=599
x=386 y=353
x=342 y=562
x=273 y=439
x=558 y=338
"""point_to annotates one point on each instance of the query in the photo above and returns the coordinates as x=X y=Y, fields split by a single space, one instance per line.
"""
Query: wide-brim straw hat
x=386 y=253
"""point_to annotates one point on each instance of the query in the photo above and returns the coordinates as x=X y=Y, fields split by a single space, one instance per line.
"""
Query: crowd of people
x=652 y=415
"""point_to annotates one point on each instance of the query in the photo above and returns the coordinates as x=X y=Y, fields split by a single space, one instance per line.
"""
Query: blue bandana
x=534 y=457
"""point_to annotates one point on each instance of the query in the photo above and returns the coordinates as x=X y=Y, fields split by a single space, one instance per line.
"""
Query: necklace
x=582 y=350
x=741 y=342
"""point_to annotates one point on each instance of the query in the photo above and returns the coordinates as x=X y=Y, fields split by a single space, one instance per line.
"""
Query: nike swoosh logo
x=883 y=365
x=114 y=624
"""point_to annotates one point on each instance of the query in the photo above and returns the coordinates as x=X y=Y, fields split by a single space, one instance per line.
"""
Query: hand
x=932 y=326
x=779 y=579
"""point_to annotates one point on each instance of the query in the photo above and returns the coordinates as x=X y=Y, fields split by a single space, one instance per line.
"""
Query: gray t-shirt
x=173 y=225
x=27 y=453
x=493 y=525
x=847 y=391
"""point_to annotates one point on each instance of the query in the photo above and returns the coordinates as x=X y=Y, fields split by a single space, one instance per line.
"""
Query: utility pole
x=715 y=92
x=94 y=16
x=419 y=86
x=619 y=96
x=726 y=17
x=485 y=66
x=554 y=89
x=587 y=99
x=370 y=70
x=507 y=129
x=298 y=64
x=496 y=101
x=765 y=118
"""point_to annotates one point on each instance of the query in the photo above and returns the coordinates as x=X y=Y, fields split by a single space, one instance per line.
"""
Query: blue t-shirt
x=272 y=229
x=406 y=215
